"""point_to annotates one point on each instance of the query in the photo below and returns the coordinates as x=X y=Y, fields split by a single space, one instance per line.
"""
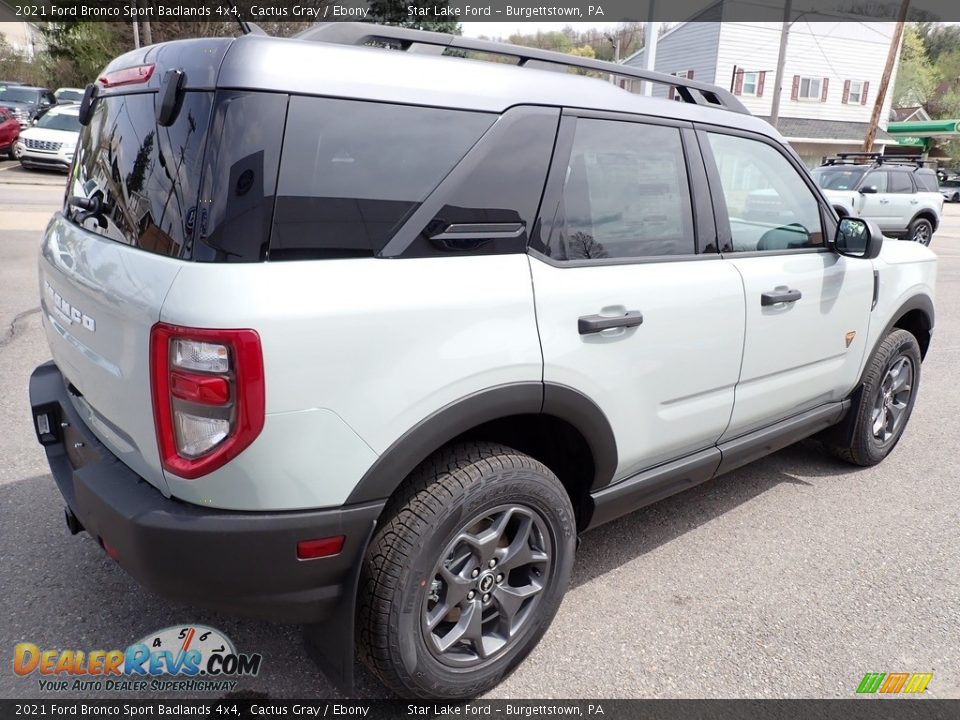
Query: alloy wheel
x=487 y=585
x=893 y=398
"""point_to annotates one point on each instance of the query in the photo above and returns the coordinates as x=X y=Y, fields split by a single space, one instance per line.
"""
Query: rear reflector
x=324 y=547
x=128 y=76
x=110 y=549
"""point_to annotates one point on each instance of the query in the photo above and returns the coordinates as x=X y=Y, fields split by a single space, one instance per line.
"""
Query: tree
x=397 y=12
x=916 y=76
x=78 y=51
x=938 y=38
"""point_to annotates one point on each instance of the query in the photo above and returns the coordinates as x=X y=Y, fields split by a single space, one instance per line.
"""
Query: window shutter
x=738 y=83
x=689 y=74
x=863 y=92
x=846 y=92
x=795 y=90
x=760 y=81
x=673 y=93
x=824 y=84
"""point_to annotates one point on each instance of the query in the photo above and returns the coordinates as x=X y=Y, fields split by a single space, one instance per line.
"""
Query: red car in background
x=9 y=132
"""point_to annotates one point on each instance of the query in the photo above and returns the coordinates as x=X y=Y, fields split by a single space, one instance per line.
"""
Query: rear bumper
x=238 y=562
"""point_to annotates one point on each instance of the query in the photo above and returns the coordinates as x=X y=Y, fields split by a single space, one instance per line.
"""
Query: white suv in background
x=902 y=199
x=366 y=343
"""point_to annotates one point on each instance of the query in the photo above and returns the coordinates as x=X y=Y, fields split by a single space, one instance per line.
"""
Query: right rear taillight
x=208 y=395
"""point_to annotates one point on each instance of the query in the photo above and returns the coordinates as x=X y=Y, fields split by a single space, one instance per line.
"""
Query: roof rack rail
x=850 y=158
x=424 y=41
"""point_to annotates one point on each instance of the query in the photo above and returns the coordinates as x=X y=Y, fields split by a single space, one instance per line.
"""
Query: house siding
x=837 y=51
x=691 y=46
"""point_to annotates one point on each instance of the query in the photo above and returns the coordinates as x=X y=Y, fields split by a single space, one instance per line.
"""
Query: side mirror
x=869 y=190
x=858 y=238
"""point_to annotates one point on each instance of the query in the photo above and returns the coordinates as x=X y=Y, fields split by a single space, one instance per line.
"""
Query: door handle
x=914 y=202
x=590 y=324
x=884 y=202
x=774 y=297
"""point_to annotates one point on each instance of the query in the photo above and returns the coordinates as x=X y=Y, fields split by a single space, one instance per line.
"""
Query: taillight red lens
x=320 y=548
x=199 y=388
x=127 y=76
x=205 y=418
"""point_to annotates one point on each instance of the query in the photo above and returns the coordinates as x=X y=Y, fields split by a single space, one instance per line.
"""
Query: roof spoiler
x=423 y=41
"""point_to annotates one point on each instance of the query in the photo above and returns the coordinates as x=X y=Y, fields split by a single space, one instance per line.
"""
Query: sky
x=506 y=29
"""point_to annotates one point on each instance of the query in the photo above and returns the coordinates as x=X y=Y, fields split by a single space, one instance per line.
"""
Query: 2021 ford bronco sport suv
x=363 y=339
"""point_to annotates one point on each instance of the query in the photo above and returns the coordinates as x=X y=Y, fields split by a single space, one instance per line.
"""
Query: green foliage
x=396 y=12
x=938 y=38
x=916 y=77
x=78 y=51
x=571 y=40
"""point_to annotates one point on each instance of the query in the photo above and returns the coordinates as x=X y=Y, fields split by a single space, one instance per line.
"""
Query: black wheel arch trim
x=926 y=214
x=841 y=434
x=503 y=401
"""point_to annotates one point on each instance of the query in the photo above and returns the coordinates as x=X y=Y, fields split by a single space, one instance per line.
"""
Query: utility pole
x=136 y=25
x=781 y=59
x=651 y=33
x=885 y=79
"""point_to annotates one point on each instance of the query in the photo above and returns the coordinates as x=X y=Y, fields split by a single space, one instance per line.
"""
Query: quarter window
x=625 y=195
x=899 y=182
x=770 y=207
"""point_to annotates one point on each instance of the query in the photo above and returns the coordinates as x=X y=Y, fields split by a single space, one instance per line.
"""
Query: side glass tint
x=352 y=172
x=626 y=194
x=899 y=182
x=876 y=180
x=770 y=207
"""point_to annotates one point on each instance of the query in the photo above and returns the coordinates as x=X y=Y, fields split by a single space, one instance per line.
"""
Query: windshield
x=15 y=94
x=838 y=178
x=69 y=96
x=59 y=121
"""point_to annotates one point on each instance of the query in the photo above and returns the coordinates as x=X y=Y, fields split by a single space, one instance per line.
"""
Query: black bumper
x=240 y=562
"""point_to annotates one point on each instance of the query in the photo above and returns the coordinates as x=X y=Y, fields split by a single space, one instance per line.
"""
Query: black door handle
x=596 y=323
x=780 y=296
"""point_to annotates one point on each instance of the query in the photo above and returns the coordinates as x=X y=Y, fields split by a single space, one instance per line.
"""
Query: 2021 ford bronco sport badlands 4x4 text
x=362 y=338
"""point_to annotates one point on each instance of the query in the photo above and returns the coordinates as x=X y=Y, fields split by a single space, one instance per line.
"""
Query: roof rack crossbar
x=358 y=33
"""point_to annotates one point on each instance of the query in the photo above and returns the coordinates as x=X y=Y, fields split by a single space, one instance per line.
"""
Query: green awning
x=925 y=128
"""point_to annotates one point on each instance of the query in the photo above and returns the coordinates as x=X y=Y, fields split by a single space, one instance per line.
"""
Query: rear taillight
x=208 y=395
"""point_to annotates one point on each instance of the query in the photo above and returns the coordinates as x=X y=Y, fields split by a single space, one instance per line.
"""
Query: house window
x=750 y=81
x=856 y=92
x=809 y=88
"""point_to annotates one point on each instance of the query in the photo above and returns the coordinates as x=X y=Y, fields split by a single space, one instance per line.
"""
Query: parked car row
x=39 y=127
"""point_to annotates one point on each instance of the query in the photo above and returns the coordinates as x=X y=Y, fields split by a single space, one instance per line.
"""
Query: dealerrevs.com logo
x=186 y=658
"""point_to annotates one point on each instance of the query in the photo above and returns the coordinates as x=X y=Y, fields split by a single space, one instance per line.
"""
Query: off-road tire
x=921 y=231
x=424 y=517
x=865 y=449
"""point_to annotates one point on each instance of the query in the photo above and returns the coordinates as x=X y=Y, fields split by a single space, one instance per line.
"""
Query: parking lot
x=791 y=577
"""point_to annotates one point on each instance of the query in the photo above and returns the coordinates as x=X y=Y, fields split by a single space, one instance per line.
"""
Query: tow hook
x=73 y=524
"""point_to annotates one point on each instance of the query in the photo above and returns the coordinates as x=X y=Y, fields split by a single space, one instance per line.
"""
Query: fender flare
x=841 y=434
x=926 y=211
x=456 y=418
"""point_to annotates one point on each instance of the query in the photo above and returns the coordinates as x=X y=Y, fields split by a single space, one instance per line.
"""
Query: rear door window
x=145 y=177
x=351 y=172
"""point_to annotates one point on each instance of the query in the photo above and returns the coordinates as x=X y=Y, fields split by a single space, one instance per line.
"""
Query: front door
x=807 y=308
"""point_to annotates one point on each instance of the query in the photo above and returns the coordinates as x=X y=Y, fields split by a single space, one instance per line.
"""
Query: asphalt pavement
x=791 y=577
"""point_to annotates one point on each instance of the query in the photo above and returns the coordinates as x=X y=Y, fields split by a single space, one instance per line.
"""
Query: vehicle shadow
x=65 y=592
x=606 y=548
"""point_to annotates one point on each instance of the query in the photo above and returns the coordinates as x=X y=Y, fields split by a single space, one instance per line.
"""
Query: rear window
x=351 y=172
x=145 y=176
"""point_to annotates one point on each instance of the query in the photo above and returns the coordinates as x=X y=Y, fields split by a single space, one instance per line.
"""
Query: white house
x=831 y=73
x=24 y=38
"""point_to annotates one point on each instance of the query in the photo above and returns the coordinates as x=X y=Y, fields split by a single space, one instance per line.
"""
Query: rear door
x=635 y=308
x=807 y=308
x=104 y=274
x=902 y=196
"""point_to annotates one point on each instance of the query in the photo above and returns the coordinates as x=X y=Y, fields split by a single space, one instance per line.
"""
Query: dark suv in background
x=26 y=103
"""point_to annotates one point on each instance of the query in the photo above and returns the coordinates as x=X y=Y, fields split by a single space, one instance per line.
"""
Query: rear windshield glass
x=351 y=172
x=15 y=94
x=145 y=178
x=60 y=121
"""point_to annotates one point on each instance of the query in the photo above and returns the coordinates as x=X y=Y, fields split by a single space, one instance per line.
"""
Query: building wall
x=24 y=38
x=691 y=46
x=837 y=51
